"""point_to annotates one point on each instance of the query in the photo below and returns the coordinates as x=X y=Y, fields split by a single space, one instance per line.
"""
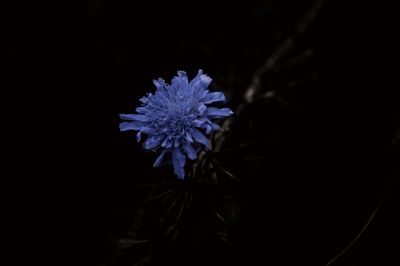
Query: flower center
x=177 y=124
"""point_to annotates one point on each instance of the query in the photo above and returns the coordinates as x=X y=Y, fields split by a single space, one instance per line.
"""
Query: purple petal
x=164 y=143
x=198 y=122
x=134 y=125
x=205 y=81
x=159 y=83
x=178 y=157
x=208 y=129
x=138 y=136
x=134 y=117
x=201 y=108
x=178 y=161
x=142 y=109
x=159 y=159
x=183 y=78
x=177 y=143
x=169 y=144
x=213 y=112
x=152 y=142
x=213 y=97
x=200 y=82
x=199 y=137
x=162 y=93
x=215 y=126
x=188 y=136
x=196 y=79
x=190 y=151
x=209 y=126
x=128 y=117
x=147 y=130
x=179 y=84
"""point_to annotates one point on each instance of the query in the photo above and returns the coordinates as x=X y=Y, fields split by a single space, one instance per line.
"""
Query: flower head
x=176 y=118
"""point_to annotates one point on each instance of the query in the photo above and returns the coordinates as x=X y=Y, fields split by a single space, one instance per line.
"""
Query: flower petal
x=152 y=142
x=201 y=108
x=177 y=143
x=132 y=117
x=142 y=109
x=199 y=137
x=205 y=81
x=134 y=125
x=214 y=126
x=128 y=117
x=208 y=129
x=159 y=83
x=159 y=159
x=180 y=84
x=190 y=151
x=147 y=130
x=178 y=161
x=213 y=97
x=198 y=123
x=209 y=126
x=196 y=80
x=200 y=82
x=164 y=143
x=188 y=136
x=163 y=94
x=138 y=136
x=212 y=112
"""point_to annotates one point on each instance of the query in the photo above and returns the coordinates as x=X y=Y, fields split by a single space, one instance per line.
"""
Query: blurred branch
x=253 y=91
x=282 y=49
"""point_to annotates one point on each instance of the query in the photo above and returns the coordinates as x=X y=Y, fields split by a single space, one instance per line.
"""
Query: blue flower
x=176 y=119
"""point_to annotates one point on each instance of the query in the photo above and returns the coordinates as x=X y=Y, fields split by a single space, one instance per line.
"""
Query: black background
x=327 y=161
